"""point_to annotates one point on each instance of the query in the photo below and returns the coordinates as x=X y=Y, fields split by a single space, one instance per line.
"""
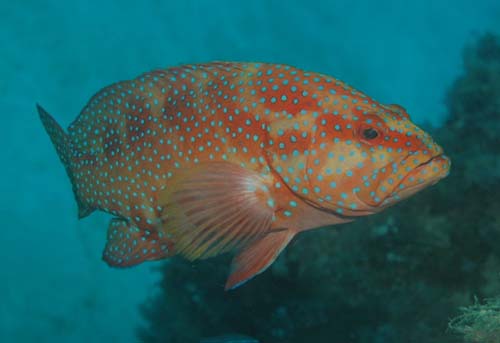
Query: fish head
x=361 y=160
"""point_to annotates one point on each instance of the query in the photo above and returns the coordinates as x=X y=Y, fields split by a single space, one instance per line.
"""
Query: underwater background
x=419 y=272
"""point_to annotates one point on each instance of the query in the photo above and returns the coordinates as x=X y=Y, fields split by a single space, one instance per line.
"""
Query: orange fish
x=200 y=160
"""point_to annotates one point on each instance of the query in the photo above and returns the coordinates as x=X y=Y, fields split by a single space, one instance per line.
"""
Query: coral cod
x=200 y=160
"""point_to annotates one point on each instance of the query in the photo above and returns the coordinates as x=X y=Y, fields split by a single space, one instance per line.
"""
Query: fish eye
x=370 y=133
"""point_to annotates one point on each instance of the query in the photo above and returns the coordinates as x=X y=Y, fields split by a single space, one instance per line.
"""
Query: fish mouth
x=426 y=174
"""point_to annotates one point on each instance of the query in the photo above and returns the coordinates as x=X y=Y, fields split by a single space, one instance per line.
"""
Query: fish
x=230 y=338
x=236 y=157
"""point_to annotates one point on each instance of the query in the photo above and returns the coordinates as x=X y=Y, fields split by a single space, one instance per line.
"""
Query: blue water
x=53 y=285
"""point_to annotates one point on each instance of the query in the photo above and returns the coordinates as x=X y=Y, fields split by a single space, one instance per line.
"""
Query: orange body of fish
x=199 y=160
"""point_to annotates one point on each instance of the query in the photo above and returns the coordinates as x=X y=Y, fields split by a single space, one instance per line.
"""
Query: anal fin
x=127 y=245
x=257 y=257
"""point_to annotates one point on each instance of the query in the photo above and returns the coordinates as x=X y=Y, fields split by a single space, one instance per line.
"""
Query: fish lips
x=426 y=174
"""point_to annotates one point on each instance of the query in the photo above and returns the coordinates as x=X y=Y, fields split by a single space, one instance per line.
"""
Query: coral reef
x=394 y=277
x=479 y=323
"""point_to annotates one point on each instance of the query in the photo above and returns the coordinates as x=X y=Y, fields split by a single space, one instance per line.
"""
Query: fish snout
x=437 y=167
x=416 y=172
x=423 y=175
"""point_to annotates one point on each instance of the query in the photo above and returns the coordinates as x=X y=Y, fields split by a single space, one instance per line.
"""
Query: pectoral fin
x=257 y=257
x=128 y=245
x=214 y=208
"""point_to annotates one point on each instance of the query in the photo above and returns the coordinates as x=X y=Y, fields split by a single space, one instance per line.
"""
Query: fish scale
x=199 y=160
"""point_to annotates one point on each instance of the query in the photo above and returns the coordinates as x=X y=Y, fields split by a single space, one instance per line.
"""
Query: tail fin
x=61 y=142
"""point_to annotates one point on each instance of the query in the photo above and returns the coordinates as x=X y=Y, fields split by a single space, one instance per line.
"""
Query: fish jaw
x=426 y=174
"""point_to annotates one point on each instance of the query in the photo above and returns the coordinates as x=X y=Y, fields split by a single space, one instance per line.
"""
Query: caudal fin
x=61 y=142
x=57 y=135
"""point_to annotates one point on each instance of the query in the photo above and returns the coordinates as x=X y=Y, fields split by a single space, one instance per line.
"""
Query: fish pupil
x=370 y=133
